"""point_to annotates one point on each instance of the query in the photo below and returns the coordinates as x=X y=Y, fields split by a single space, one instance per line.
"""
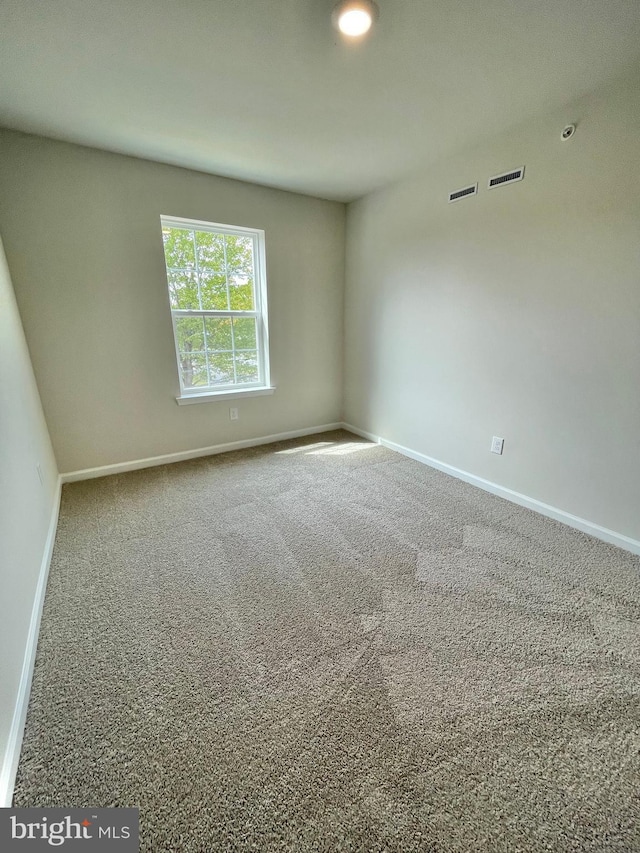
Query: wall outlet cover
x=497 y=444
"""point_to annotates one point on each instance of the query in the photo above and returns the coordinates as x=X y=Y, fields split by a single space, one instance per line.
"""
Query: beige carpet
x=324 y=646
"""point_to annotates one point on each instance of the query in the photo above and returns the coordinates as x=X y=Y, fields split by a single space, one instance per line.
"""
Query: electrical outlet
x=497 y=445
x=233 y=414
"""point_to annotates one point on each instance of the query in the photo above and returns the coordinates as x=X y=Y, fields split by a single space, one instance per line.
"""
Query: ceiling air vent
x=456 y=195
x=507 y=177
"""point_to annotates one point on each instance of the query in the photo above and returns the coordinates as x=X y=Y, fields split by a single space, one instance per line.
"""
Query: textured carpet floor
x=324 y=646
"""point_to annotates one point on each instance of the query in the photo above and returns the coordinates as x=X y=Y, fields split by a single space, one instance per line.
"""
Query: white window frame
x=233 y=390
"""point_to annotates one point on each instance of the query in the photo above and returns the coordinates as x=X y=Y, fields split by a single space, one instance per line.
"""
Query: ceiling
x=266 y=91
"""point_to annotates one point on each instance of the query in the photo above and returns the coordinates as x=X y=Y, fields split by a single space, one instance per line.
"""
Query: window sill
x=229 y=394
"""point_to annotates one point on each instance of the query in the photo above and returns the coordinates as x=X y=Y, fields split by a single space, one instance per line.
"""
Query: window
x=217 y=290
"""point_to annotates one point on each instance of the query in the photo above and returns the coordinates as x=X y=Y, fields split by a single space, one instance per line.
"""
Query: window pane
x=221 y=368
x=179 y=252
x=190 y=334
x=247 y=367
x=213 y=291
x=239 y=255
x=218 y=331
x=193 y=367
x=210 y=248
x=240 y=272
x=183 y=289
x=244 y=332
x=241 y=294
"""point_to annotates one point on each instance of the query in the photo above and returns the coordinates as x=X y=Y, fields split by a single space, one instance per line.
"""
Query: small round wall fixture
x=568 y=132
x=354 y=17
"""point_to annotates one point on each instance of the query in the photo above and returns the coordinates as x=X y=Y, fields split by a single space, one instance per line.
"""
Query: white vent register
x=509 y=177
x=456 y=195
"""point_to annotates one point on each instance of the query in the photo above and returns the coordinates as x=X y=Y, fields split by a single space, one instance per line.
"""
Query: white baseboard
x=16 y=732
x=603 y=533
x=151 y=461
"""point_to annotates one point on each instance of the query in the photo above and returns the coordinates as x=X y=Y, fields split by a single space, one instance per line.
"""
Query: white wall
x=28 y=510
x=82 y=235
x=515 y=313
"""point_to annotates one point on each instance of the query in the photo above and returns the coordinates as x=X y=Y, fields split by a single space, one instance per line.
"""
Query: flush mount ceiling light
x=354 y=17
